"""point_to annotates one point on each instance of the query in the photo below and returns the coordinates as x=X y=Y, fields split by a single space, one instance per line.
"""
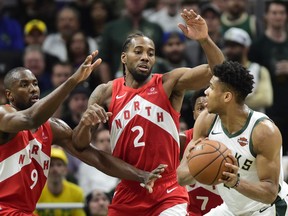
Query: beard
x=139 y=77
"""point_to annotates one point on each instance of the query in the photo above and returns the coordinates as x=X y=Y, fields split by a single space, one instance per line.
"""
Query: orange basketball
x=207 y=160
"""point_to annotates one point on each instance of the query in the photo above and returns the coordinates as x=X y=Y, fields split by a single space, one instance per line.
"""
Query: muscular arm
x=12 y=121
x=62 y=136
x=267 y=143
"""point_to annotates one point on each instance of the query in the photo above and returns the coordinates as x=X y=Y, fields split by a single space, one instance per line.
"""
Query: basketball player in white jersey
x=255 y=184
x=145 y=120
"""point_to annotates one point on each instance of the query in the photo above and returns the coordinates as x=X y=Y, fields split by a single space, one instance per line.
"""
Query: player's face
x=200 y=105
x=24 y=90
x=214 y=94
x=139 y=58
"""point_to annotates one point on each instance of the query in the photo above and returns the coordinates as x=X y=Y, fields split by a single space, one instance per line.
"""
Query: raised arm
x=196 y=28
x=12 y=121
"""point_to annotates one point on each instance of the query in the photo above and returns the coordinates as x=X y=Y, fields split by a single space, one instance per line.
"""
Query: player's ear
x=228 y=96
x=9 y=96
x=123 y=58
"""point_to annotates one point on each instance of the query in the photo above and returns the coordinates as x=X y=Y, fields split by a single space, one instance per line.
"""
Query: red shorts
x=131 y=199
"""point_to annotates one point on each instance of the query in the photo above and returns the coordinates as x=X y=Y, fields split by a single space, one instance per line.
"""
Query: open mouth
x=35 y=98
x=143 y=68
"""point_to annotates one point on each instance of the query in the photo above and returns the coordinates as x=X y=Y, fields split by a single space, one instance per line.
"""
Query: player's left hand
x=152 y=177
x=196 y=27
x=232 y=176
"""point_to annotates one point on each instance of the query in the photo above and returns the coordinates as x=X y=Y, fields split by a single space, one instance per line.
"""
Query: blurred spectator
x=236 y=15
x=271 y=50
x=77 y=48
x=26 y=10
x=211 y=14
x=61 y=71
x=115 y=33
x=191 y=4
x=220 y=4
x=90 y=178
x=100 y=13
x=67 y=25
x=96 y=203
x=153 y=6
x=173 y=53
x=59 y=190
x=76 y=104
x=35 y=32
x=169 y=16
x=11 y=34
x=34 y=60
x=3 y=99
x=237 y=43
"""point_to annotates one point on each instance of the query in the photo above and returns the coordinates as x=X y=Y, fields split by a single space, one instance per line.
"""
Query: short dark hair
x=9 y=77
x=235 y=77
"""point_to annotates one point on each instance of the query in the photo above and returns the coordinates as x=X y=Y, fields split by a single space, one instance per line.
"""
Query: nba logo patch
x=152 y=90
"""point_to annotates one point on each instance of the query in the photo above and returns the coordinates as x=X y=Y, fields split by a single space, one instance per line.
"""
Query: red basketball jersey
x=202 y=198
x=24 y=166
x=144 y=133
x=144 y=125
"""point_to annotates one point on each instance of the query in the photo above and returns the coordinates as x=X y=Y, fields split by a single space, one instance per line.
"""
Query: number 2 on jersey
x=138 y=137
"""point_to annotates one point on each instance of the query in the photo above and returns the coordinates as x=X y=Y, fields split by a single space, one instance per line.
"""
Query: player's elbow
x=272 y=194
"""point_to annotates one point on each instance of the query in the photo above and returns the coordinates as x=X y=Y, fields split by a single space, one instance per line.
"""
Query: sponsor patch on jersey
x=152 y=90
x=242 y=141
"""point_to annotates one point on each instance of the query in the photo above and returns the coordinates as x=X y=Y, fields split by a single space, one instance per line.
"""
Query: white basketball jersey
x=240 y=143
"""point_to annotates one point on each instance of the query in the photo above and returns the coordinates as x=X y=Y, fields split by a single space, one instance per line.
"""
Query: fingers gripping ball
x=207 y=160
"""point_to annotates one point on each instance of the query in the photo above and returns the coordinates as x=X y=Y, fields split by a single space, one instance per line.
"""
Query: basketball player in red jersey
x=26 y=135
x=145 y=120
x=202 y=198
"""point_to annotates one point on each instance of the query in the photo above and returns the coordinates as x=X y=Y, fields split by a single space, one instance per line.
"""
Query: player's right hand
x=86 y=68
x=94 y=115
x=152 y=177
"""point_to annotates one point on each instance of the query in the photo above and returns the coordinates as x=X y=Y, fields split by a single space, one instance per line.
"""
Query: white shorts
x=279 y=209
x=177 y=210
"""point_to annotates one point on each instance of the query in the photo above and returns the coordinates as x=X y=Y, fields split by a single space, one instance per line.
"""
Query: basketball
x=207 y=160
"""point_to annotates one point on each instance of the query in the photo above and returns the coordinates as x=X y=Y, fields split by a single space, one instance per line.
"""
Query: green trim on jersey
x=241 y=130
x=251 y=141
x=212 y=125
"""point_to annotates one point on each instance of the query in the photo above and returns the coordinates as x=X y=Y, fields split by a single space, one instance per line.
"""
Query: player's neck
x=235 y=119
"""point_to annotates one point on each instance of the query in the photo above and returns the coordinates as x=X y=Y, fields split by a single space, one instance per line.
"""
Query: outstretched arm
x=103 y=161
x=12 y=122
x=196 y=28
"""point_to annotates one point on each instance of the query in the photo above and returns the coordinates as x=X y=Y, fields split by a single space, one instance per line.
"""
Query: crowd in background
x=53 y=37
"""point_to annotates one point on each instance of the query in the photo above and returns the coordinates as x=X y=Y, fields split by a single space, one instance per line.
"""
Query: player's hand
x=195 y=26
x=232 y=176
x=95 y=114
x=152 y=177
x=86 y=68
